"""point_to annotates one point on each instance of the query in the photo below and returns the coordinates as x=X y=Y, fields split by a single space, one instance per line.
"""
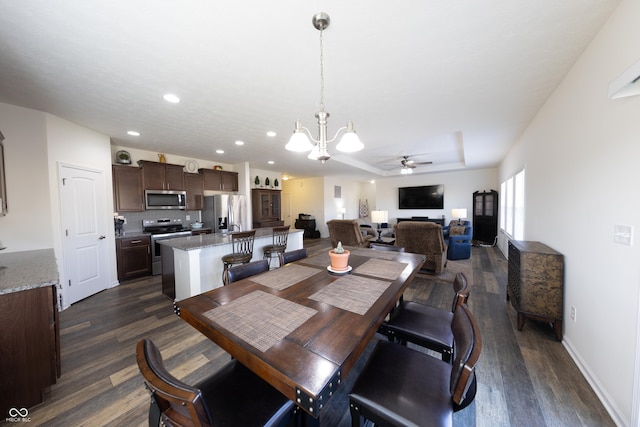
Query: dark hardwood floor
x=524 y=378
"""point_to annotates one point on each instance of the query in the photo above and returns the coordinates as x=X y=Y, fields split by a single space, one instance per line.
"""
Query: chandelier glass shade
x=302 y=140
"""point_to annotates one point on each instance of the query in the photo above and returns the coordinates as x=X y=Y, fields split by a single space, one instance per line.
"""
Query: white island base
x=197 y=260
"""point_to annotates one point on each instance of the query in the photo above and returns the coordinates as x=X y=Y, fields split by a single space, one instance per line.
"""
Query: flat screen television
x=423 y=197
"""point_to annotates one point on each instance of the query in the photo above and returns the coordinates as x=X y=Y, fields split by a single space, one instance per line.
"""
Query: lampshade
x=350 y=142
x=343 y=210
x=299 y=141
x=459 y=213
x=380 y=217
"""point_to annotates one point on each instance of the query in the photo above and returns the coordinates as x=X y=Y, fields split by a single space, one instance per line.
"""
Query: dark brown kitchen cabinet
x=266 y=208
x=218 y=180
x=194 y=184
x=162 y=176
x=29 y=345
x=127 y=189
x=133 y=255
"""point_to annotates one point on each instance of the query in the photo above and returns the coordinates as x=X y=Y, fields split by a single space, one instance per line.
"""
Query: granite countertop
x=189 y=243
x=21 y=271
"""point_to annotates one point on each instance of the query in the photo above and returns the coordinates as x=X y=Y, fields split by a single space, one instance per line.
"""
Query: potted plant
x=339 y=258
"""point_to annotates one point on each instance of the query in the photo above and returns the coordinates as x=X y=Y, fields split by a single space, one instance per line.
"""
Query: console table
x=535 y=283
x=423 y=219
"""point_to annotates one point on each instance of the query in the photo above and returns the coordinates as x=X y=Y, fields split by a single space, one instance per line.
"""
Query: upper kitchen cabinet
x=218 y=180
x=162 y=176
x=194 y=184
x=127 y=189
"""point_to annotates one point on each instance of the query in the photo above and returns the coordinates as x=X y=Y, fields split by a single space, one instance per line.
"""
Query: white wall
x=459 y=187
x=27 y=225
x=306 y=196
x=581 y=155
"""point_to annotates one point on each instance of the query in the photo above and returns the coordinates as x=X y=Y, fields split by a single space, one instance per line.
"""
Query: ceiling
x=451 y=82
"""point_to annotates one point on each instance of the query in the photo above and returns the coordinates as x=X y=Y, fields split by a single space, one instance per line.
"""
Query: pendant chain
x=321 y=73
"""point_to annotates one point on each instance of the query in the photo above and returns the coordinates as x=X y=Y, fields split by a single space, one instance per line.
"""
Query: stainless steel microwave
x=165 y=199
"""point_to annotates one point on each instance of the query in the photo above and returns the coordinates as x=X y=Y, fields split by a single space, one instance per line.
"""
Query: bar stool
x=242 y=246
x=279 y=245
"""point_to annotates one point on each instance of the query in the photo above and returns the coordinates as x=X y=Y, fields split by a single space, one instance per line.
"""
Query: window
x=512 y=202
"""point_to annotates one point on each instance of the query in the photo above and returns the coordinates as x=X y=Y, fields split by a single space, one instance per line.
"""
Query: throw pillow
x=456 y=229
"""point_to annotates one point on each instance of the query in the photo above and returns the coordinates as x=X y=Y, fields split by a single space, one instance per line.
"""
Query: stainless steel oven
x=162 y=229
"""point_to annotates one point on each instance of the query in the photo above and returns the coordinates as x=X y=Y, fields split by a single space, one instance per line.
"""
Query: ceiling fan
x=409 y=165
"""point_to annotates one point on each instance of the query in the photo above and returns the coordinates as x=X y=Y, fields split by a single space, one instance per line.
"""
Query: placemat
x=375 y=254
x=285 y=276
x=352 y=293
x=321 y=260
x=381 y=268
x=261 y=319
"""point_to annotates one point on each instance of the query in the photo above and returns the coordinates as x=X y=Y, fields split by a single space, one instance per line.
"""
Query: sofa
x=423 y=238
x=369 y=228
x=348 y=232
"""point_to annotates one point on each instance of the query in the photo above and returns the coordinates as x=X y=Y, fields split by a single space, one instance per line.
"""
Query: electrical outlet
x=573 y=313
x=188 y=217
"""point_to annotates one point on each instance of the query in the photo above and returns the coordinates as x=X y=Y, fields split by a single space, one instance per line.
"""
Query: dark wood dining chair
x=427 y=326
x=242 y=271
x=278 y=245
x=242 y=247
x=401 y=386
x=231 y=396
x=291 y=256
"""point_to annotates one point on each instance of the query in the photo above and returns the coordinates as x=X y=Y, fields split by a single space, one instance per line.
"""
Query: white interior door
x=82 y=197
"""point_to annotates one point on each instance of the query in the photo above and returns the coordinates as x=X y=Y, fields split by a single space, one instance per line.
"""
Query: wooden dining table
x=301 y=327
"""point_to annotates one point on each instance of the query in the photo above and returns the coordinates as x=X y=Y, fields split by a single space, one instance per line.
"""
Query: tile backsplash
x=134 y=219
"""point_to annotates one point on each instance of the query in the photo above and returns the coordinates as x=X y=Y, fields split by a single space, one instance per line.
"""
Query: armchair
x=446 y=230
x=460 y=244
x=423 y=238
x=348 y=232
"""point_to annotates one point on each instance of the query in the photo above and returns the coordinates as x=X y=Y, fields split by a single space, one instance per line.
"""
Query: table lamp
x=379 y=217
x=343 y=211
x=459 y=213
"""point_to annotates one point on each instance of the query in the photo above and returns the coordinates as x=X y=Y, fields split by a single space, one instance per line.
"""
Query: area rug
x=424 y=285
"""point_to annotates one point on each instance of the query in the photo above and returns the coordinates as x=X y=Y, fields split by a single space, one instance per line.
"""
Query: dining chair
x=231 y=396
x=242 y=271
x=425 y=325
x=242 y=247
x=279 y=243
x=291 y=256
x=401 y=386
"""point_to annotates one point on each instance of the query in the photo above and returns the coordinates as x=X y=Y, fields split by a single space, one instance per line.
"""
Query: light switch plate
x=623 y=234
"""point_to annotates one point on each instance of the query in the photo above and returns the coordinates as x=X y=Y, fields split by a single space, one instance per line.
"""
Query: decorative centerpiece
x=266 y=181
x=339 y=258
x=275 y=183
x=257 y=181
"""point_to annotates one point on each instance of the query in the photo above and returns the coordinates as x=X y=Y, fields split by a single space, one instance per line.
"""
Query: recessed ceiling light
x=271 y=133
x=239 y=142
x=271 y=162
x=171 y=98
x=220 y=151
x=133 y=133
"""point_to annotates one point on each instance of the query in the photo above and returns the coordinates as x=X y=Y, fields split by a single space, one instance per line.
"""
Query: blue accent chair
x=460 y=244
x=446 y=229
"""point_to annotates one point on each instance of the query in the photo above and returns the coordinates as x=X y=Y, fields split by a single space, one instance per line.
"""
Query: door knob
x=102 y=237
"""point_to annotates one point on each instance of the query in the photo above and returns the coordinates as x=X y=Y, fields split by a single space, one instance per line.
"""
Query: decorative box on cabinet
x=266 y=208
x=485 y=216
x=133 y=255
x=535 y=283
x=127 y=189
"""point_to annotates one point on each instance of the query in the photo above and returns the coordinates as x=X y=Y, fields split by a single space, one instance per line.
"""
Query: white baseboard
x=597 y=387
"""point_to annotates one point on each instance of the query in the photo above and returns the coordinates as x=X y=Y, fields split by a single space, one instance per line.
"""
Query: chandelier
x=301 y=140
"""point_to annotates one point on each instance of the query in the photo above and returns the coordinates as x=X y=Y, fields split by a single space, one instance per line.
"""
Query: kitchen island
x=29 y=328
x=192 y=265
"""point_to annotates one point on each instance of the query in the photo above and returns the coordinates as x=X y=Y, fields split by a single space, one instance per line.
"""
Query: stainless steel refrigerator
x=226 y=213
